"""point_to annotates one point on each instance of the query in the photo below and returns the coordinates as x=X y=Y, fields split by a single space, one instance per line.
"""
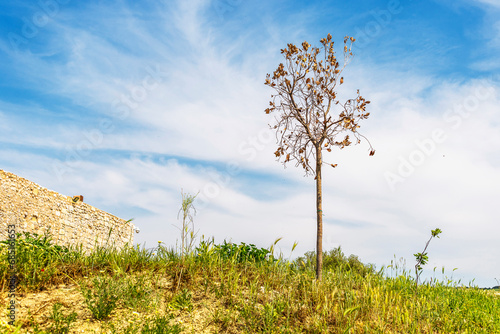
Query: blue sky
x=128 y=102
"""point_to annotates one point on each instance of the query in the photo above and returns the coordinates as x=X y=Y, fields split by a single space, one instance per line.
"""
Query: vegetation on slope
x=227 y=288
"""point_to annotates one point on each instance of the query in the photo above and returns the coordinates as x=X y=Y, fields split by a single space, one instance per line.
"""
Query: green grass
x=232 y=288
x=60 y=323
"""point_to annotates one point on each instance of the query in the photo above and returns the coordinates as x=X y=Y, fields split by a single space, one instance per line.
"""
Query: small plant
x=422 y=258
x=102 y=300
x=239 y=253
x=182 y=301
x=242 y=253
x=61 y=323
x=333 y=260
x=133 y=327
x=187 y=234
x=161 y=325
x=137 y=293
x=36 y=257
x=30 y=322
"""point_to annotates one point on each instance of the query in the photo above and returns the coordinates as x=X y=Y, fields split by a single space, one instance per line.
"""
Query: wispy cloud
x=494 y=3
x=128 y=104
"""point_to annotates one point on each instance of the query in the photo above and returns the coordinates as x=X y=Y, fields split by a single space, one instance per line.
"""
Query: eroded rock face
x=32 y=208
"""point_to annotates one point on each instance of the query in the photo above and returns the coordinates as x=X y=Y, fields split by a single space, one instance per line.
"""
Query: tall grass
x=231 y=288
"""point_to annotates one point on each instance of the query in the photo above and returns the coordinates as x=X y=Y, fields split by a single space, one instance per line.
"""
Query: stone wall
x=32 y=208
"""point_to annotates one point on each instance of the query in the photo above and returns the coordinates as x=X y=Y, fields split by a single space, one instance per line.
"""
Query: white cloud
x=209 y=107
x=494 y=3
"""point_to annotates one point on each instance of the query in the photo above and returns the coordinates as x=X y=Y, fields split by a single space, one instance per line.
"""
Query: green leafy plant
x=103 y=298
x=242 y=253
x=137 y=293
x=422 y=258
x=36 y=259
x=182 y=301
x=335 y=260
x=61 y=323
x=239 y=253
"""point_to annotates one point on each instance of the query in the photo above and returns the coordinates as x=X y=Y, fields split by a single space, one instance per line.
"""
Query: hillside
x=227 y=288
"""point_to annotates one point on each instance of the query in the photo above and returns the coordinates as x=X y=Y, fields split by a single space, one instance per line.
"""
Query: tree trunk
x=319 y=216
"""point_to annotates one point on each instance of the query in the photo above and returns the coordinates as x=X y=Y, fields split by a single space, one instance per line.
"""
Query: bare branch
x=307 y=101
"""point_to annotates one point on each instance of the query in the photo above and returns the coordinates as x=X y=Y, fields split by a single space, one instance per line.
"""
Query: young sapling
x=422 y=258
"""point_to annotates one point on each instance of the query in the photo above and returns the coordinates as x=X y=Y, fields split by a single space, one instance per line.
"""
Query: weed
x=35 y=259
x=161 y=325
x=335 y=260
x=187 y=234
x=102 y=299
x=182 y=301
x=240 y=253
x=137 y=293
x=61 y=323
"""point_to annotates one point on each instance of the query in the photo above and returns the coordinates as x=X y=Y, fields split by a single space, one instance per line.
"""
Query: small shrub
x=137 y=293
x=102 y=299
x=240 y=253
x=334 y=260
x=61 y=323
x=36 y=259
x=182 y=301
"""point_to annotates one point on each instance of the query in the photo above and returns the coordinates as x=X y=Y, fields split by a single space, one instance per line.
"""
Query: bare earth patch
x=36 y=308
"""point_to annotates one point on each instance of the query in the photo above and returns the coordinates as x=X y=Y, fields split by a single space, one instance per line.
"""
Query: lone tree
x=311 y=118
